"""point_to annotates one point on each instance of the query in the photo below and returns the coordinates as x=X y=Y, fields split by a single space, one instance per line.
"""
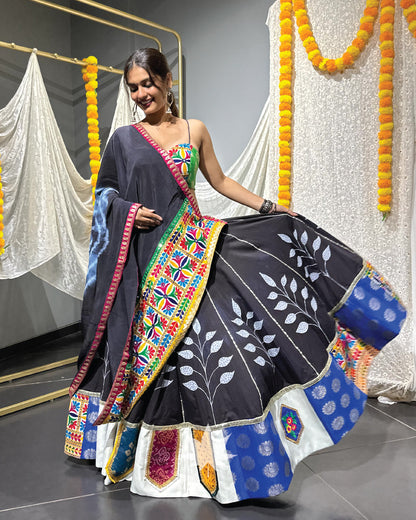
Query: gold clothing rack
x=96 y=19
x=131 y=17
x=55 y=56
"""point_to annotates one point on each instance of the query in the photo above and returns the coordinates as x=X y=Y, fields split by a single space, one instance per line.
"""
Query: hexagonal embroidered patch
x=292 y=423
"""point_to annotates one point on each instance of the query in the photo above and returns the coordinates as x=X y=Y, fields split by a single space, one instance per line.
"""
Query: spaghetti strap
x=189 y=132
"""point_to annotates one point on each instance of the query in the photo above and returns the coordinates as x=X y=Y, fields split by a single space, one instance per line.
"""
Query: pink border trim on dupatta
x=179 y=178
x=115 y=282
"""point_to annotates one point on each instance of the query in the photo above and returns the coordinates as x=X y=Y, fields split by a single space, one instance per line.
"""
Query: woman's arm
x=212 y=171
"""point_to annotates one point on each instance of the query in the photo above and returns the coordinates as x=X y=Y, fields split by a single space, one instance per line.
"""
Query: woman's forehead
x=137 y=74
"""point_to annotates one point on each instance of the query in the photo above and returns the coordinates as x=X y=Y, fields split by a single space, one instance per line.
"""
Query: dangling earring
x=170 y=98
x=134 y=114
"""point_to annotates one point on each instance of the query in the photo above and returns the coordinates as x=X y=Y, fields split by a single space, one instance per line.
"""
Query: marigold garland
x=385 y=93
x=89 y=75
x=285 y=103
x=353 y=51
x=409 y=11
x=2 y=243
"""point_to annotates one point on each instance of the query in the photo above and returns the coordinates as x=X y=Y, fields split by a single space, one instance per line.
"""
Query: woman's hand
x=146 y=218
x=276 y=208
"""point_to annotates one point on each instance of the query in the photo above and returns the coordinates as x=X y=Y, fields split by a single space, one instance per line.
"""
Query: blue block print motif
x=372 y=312
x=337 y=402
x=258 y=460
x=123 y=462
x=88 y=450
x=99 y=232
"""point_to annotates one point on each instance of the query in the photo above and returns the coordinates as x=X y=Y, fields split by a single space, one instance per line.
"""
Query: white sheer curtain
x=335 y=160
x=47 y=204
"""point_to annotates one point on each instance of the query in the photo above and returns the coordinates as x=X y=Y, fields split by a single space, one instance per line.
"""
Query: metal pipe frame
x=55 y=56
x=96 y=19
x=134 y=18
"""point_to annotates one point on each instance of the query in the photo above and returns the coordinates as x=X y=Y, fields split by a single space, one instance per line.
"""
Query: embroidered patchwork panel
x=81 y=434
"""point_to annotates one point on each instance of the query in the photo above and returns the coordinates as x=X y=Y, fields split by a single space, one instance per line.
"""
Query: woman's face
x=149 y=96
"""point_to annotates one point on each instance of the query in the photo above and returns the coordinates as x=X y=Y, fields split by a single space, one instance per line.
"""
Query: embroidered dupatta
x=143 y=288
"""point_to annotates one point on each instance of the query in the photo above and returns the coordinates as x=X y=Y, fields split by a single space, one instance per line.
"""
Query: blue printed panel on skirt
x=258 y=460
x=337 y=402
x=123 y=461
x=89 y=442
x=372 y=312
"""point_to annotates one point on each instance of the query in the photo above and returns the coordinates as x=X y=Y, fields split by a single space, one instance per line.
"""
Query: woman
x=217 y=354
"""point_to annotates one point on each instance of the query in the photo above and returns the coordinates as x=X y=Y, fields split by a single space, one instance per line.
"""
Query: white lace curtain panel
x=334 y=171
x=47 y=204
x=335 y=159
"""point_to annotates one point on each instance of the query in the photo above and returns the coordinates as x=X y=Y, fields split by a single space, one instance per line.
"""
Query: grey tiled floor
x=370 y=474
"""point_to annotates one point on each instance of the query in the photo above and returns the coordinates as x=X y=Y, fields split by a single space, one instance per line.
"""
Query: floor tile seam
x=392 y=417
x=339 y=494
x=27 y=506
x=338 y=450
x=21 y=385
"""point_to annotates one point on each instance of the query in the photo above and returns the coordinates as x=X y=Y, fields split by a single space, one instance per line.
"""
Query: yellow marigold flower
x=308 y=40
x=284 y=129
x=285 y=84
x=363 y=35
x=91 y=59
x=386 y=110
x=286 y=113
x=388 y=10
x=284 y=144
x=366 y=19
x=93 y=136
x=388 y=44
x=284 y=187
x=283 y=202
x=409 y=10
x=284 y=173
x=384 y=175
x=94 y=177
x=384 y=208
x=385 y=158
x=385 y=142
x=313 y=53
x=1 y=217
x=286 y=23
x=284 y=158
x=384 y=191
x=286 y=38
x=412 y=26
x=386 y=77
x=286 y=99
x=301 y=12
x=286 y=6
x=285 y=69
x=386 y=126
x=354 y=51
x=386 y=27
x=385 y=93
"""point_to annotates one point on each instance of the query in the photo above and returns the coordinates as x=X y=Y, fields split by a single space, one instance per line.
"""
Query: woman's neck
x=158 y=118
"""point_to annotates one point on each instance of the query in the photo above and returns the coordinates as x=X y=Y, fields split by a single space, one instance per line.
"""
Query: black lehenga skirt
x=272 y=368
